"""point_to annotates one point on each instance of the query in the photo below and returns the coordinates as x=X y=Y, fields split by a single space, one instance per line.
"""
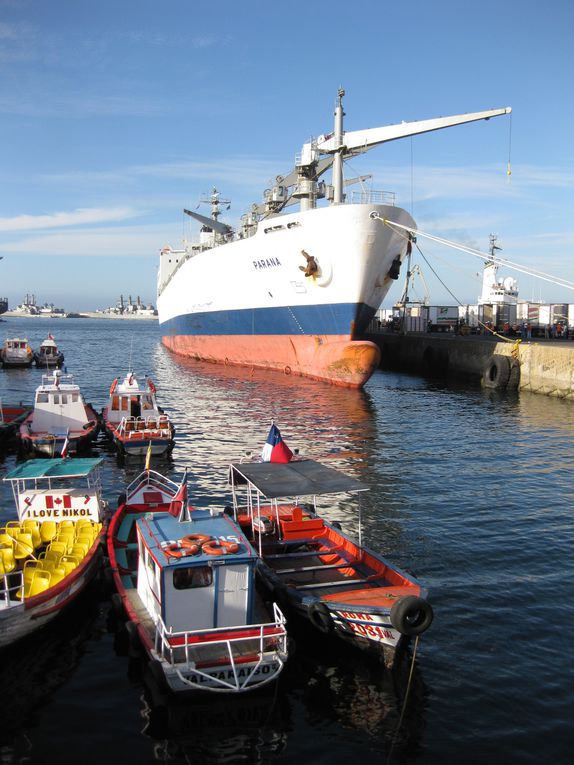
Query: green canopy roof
x=54 y=468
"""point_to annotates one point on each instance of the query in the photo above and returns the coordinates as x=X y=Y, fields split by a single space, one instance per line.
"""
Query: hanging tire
x=320 y=617
x=411 y=615
x=156 y=671
x=496 y=373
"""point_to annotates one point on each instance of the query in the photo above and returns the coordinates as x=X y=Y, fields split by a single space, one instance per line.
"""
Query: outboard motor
x=263 y=525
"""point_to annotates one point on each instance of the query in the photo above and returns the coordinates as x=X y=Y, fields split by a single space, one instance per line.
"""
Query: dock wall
x=544 y=367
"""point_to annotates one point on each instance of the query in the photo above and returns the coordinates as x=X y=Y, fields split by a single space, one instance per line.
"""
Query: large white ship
x=294 y=291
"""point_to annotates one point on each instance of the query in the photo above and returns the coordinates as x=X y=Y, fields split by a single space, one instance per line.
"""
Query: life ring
x=176 y=550
x=220 y=547
x=320 y=617
x=411 y=615
x=113 y=386
x=151 y=385
x=497 y=372
x=194 y=540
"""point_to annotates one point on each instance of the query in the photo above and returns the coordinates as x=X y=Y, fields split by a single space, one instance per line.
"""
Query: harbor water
x=471 y=490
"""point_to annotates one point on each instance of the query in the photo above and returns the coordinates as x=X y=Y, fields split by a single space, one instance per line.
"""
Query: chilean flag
x=178 y=505
x=275 y=449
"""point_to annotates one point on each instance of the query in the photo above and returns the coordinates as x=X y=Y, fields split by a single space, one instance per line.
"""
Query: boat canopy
x=54 y=468
x=298 y=478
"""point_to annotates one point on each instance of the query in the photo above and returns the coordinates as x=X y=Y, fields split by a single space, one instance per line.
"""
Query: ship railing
x=374 y=197
x=229 y=649
x=10 y=584
x=63 y=379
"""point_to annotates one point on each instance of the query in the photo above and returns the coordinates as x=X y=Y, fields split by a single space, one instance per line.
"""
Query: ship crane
x=409 y=286
x=329 y=151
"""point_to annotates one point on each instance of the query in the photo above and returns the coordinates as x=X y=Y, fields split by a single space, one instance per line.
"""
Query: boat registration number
x=364 y=625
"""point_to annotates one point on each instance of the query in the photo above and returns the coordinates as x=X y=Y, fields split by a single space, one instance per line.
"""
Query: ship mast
x=339 y=148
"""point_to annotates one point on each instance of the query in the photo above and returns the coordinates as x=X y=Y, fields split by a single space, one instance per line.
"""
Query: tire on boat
x=411 y=615
x=320 y=617
x=337 y=525
x=157 y=674
x=133 y=638
x=496 y=373
x=121 y=499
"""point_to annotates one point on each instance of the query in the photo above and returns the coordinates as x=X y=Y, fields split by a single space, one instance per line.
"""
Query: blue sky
x=115 y=115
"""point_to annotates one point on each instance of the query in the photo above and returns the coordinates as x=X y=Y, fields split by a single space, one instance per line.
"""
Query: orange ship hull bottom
x=333 y=359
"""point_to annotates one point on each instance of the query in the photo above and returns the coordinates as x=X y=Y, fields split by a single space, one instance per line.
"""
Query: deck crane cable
x=508 y=168
x=410 y=237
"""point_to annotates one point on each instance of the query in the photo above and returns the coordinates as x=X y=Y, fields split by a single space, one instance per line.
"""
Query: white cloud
x=63 y=219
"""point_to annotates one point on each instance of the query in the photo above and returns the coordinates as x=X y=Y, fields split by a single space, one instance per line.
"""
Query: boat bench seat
x=291 y=527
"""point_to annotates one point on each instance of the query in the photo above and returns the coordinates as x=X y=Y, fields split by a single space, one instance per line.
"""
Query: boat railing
x=62 y=379
x=10 y=584
x=374 y=197
x=153 y=480
x=263 y=645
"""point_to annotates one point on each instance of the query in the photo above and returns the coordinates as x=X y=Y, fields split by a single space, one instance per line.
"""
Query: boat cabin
x=219 y=583
x=58 y=405
x=129 y=404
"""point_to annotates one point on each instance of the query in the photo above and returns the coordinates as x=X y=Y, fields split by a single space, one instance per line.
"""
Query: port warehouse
x=416 y=317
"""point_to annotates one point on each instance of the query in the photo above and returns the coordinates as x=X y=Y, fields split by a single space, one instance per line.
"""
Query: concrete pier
x=539 y=366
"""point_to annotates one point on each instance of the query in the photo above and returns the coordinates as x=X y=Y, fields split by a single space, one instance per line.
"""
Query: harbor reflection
x=214 y=728
x=30 y=676
x=338 y=684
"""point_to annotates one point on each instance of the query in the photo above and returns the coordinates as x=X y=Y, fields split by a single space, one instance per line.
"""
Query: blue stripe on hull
x=334 y=319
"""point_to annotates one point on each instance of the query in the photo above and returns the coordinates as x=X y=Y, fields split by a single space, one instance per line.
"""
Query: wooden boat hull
x=342 y=589
x=137 y=444
x=190 y=667
x=20 y=619
x=50 y=445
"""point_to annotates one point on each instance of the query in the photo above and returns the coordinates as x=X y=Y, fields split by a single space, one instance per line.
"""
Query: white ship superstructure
x=292 y=291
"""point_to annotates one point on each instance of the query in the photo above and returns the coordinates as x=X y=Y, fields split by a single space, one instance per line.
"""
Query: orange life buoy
x=113 y=386
x=194 y=540
x=220 y=547
x=178 y=550
x=151 y=385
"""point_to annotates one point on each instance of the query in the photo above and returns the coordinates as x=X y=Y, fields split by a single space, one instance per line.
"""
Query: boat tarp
x=294 y=479
x=58 y=468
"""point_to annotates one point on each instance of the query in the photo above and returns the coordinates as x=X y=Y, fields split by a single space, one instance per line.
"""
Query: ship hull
x=249 y=302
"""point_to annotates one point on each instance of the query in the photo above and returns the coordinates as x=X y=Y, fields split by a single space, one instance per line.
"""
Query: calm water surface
x=471 y=490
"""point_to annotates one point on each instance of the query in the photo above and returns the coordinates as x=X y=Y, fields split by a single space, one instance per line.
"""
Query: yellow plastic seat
x=88 y=541
x=50 y=556
x=69 y=563
x=57 y=572
x=66 y=524
x=23 y=546
x=40 y=583
x=31 y=527
x=58 y=547
x=48 y=530
x=5 y=538
x=13 y=528
x=7 y=560
x=67 y=537
x=79 y=550
x=30 y=568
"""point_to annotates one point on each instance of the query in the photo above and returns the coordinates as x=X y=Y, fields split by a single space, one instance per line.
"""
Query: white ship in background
x=293 y=291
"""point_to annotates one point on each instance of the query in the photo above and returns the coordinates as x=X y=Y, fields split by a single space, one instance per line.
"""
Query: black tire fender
x=320 y=617
x=497 y=372
x=411 y=615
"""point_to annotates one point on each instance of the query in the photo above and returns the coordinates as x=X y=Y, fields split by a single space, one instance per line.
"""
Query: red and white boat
x=61 y=423
x=134 y=420
x=51 y=552
x=313 y=568
x=186 y=581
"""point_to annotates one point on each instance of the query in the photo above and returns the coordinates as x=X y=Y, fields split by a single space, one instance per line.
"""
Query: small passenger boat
x=61 y=423
x=48 y=354
x=16 y=352
x=51 y=552
x=186 y=580
x=316 y=570
x=133 y=419
x=11 y=415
